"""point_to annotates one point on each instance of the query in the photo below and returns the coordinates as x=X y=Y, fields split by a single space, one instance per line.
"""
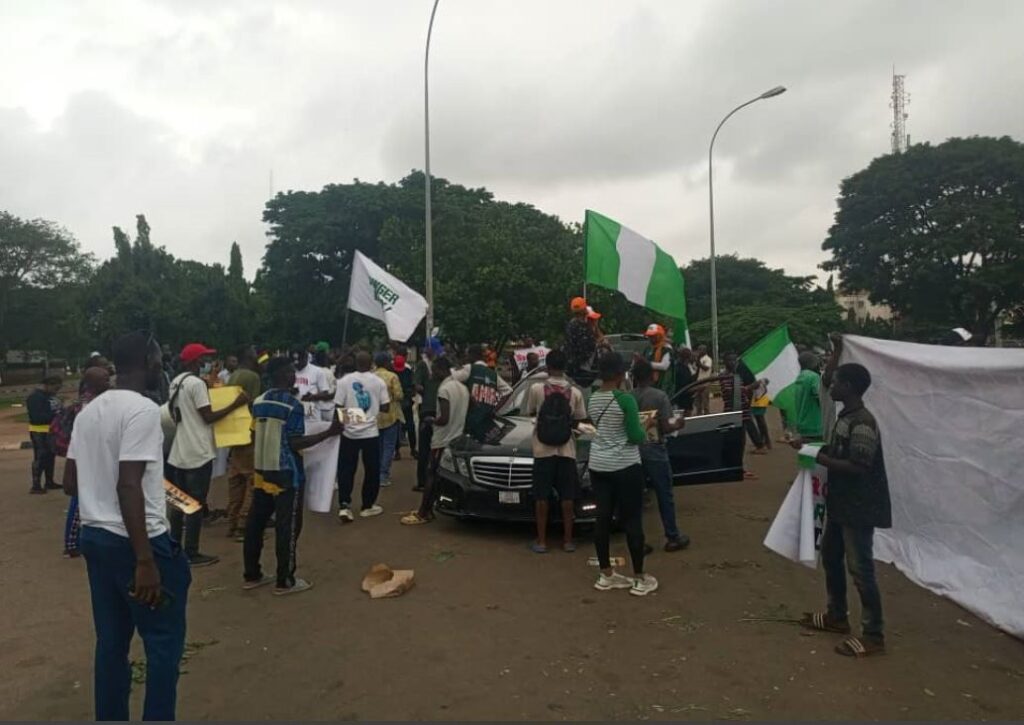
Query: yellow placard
x=235 y=428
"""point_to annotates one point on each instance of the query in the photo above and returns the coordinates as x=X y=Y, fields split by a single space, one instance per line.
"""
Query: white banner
x=521 y=353
x=951 y=420
x=321 y=464
x=382 y=296
x=796 y=531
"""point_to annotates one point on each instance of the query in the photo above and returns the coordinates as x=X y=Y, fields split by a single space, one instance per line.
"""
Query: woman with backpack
x=617 y=476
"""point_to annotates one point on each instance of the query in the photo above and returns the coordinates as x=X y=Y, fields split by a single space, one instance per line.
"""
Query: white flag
x=384 y=297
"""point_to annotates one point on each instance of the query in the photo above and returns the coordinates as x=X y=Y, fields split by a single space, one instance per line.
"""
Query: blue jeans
x=388 y=445
x=852 y=546
x=110 y=561
x=659 y=474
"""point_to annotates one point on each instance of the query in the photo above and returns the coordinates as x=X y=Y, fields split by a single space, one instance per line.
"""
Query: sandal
x=414 y=519
x=821 y=622
x=854 y=647
x=750 y=475
x=537 y=548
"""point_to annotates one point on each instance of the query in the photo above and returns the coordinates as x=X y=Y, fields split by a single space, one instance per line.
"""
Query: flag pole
x=584 y=255
x=344 y=331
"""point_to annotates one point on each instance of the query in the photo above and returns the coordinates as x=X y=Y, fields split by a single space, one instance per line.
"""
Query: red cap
x=578 y=304
x=399 y=363
x=193 y=351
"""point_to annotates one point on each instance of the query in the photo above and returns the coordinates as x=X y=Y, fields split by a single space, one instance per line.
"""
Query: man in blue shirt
x=280 y=433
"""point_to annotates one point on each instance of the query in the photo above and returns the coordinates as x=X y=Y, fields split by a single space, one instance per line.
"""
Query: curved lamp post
x=776 y=91
x=429 y=242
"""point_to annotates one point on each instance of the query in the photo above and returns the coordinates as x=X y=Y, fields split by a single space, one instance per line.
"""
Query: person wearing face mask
x=193 y=450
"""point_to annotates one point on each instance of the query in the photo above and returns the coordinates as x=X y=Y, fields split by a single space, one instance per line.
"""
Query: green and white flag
x=382 y=296
x=774 y=357
x=618 y=258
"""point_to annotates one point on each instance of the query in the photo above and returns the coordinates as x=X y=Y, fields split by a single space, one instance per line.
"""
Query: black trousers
x=348 y=460
x=42 y=459
x=423 y=452
x=622 y=490
x=187 y=529
x=286 y=508
x=410 y=424
x=754 y=432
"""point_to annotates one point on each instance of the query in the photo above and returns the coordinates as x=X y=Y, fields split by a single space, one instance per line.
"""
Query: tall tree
x=937 y=232
x=235 y=270
x=35 y=254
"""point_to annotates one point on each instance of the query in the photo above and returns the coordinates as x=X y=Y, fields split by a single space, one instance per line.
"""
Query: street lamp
x=776 y=91
x=429 y=243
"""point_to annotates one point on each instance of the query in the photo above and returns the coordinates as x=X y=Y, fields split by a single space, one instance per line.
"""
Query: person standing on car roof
x=654 y=402
x=580 y=341
x=452 y=403
x=558 y=407
x=659 y=355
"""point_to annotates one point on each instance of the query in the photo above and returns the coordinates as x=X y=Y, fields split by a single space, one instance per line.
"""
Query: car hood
x=515 y=440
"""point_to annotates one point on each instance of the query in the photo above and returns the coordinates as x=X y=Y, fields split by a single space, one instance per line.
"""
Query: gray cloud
x=180 y=109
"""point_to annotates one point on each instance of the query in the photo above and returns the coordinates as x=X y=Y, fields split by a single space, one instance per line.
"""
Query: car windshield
x=515 y=402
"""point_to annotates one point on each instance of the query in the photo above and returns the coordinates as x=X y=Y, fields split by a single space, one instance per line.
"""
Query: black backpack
x=554 y=419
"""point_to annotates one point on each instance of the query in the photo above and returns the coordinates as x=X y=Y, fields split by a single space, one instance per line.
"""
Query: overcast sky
x=179 y=109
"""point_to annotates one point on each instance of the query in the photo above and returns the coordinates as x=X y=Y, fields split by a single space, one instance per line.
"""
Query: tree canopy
x=936 y=233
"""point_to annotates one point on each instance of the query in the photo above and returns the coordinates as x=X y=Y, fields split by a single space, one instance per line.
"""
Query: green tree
x=937 y=233
x=741 y=327
x=35 y=255
x=746 y=282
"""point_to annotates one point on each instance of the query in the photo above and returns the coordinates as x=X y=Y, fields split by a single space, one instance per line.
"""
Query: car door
x=709 y=449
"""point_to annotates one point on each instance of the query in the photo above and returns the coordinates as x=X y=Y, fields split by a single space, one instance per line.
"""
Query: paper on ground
x=235 y=429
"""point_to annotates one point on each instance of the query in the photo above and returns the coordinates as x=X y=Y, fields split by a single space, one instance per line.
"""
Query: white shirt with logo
x=367 y=392
x=119 y=425
x=312 y=379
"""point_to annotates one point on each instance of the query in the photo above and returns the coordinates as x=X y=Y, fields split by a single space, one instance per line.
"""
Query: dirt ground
x=494 y=632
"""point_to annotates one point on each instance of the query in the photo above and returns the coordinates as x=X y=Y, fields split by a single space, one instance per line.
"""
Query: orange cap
x=655 y=330
x=578 y=304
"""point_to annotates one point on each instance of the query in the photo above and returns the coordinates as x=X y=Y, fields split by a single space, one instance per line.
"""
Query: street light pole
x=429 y=242
x=778 y=90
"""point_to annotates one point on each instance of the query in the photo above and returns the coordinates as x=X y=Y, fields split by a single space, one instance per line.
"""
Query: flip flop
x=538 y=548
x=569 y=547
x=821 y=622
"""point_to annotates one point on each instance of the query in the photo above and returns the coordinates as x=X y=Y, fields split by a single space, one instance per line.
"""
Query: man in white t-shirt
x=448 y=426
x=193 y=451
x=704 y=373
x=322 y=360
x=138 y=575
x=361 y=396
x=314 y=388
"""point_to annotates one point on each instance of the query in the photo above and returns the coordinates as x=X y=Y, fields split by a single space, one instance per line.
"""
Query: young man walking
x=807 y=398
x=558 y=407
x=654 y=453
x=43 y=405
x=389 y=422
x=362 y=396
x=426 y=387
x=313 y=385
x=857 y=502
x=240 y=465
x=279 y=425
x=138 y=575
x=193 y=451
x=453 y=403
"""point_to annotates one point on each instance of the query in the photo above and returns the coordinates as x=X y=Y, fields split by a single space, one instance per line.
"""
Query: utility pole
x=899 y=103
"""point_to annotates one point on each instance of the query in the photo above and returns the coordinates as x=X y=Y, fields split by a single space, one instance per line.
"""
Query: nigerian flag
x=774 y=357
x=618 y=258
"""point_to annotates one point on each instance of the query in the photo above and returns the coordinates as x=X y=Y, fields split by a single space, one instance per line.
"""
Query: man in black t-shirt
x=580 y=343
x=857 y=502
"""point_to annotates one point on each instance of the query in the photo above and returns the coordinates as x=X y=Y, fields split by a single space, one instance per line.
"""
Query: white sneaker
x=300 y=585
x=642 y=586
x=385 y=484
x=615 y=581
x=374 y=510
x=345 y=516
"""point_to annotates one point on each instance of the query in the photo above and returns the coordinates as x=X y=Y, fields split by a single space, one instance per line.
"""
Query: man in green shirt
x=240 y=465
x=807 y=398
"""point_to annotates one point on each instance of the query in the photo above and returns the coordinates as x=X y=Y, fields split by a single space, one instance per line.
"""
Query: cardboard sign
x=179 y=499
x=521 y=353
x=235 y=429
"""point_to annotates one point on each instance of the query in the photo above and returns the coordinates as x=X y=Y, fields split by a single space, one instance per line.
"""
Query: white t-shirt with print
x=367 y=392
x=312 y=379
x=330 y=385
x=193 y=438
x=118 y=425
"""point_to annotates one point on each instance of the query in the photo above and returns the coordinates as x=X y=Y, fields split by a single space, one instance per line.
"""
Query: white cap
x=964 y=334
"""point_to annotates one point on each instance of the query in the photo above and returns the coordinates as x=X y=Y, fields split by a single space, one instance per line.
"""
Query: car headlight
x=463 y=465
x=448 y=461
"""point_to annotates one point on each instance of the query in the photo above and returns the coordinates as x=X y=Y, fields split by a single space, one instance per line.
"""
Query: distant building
x=861 y=307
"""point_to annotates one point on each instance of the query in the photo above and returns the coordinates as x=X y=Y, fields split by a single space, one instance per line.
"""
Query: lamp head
x=776 y=91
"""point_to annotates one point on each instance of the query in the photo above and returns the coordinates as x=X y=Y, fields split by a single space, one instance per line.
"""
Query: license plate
x=508 y=497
